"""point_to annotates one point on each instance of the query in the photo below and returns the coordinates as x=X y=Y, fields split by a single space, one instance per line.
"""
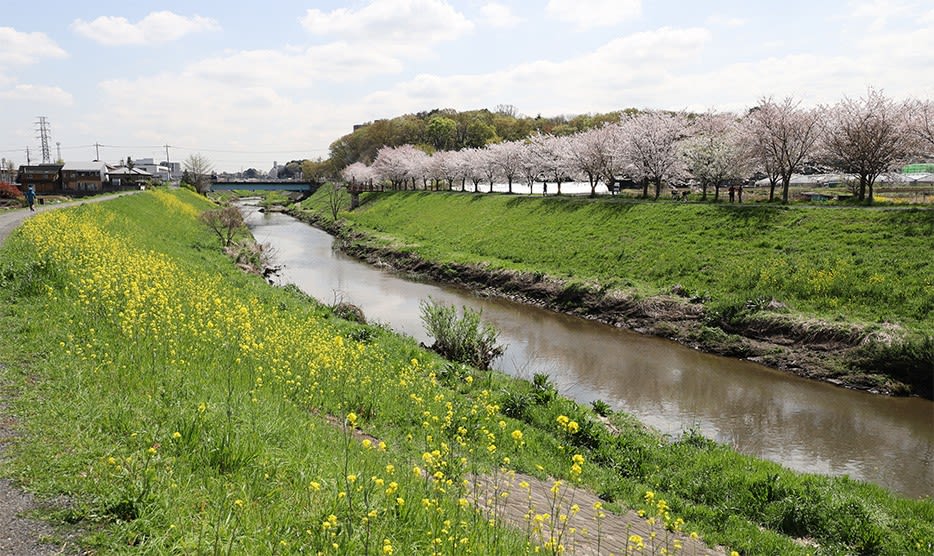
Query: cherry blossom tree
x=650 y=142
x=921 y=113
x=443 y=166
x=590 y=152
x=398 y=164
x=555 y=159
x=530 y=162
x=358 y=174
x=473 y=166
x=490 y=164
x=508 y=160
x=714 y=152
x=617 y=164
x=867 y=137
x=418 y=163
x=785 y=134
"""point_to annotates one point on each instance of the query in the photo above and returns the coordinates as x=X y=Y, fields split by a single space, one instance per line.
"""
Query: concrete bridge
x=266 y=185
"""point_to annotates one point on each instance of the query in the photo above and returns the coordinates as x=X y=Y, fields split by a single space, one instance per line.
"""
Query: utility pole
x=42 y=128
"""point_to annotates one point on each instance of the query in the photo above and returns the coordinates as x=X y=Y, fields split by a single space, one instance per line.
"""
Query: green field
x=852 y=263
x=181 y=406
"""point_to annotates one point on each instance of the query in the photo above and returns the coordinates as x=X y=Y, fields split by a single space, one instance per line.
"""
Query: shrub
x=348 y=311
x=543 y=390
x=464 y=340
x=515 y=404
x=225 y=222
x=601 y=408
x=9 y=191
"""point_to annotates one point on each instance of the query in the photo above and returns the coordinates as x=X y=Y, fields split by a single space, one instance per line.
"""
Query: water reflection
x=802 y=424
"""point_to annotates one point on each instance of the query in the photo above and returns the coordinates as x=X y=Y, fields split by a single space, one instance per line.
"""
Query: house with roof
x=123 y=177
x=44 y=178
x=84 y=177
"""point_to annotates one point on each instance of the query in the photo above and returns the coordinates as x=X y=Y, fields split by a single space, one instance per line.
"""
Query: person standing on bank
x=31 y=198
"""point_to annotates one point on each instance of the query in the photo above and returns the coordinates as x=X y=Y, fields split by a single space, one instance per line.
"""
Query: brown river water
x=804 y=425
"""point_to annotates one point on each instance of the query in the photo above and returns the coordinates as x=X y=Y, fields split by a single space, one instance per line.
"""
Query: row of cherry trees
x=863 y=137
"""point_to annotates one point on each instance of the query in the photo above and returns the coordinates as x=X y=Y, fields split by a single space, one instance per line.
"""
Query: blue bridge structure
x=266 y=185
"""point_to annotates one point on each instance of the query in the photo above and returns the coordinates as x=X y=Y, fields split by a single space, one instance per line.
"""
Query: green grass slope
x=833 y=263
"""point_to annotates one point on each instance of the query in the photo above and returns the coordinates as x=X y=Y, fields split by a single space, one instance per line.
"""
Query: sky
x=249 y=83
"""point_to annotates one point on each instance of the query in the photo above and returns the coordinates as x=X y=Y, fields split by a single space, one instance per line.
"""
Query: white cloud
x=37 y=93
x=585 y=14
x=607 y=78
x=18 y=48
x=408 y=23
x=725 y=21
x=661 y=46
x=157 y=27
x=190 y=112
x=332 y=62
x=881 y=9
x=499 y=15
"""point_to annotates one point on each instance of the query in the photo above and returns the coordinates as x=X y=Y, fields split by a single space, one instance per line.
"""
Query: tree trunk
x=509 y=179
x=658 y=188
x=645 y=188
x=704 y=191
x=786 y=182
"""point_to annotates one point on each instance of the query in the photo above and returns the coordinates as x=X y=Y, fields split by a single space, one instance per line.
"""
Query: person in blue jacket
x=31 y=198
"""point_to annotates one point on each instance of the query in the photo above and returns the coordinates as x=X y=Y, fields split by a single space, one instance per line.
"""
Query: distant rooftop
x=84 y=166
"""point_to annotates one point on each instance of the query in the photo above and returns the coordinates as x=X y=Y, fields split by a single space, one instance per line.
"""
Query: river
x=804 y=425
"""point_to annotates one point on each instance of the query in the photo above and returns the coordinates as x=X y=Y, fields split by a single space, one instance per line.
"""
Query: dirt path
x=18 y=533
x=531 y=504
x=536 y=507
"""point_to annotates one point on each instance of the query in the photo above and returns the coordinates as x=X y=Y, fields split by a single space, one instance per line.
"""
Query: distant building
x=155 y=170
x=45 y=178
x=174 y=169
x=84 y=177
x=122 y=177
x=274 y=172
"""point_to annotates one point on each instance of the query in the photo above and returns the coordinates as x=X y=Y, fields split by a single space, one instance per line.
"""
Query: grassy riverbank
x=811 y=276
x=181 y=406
